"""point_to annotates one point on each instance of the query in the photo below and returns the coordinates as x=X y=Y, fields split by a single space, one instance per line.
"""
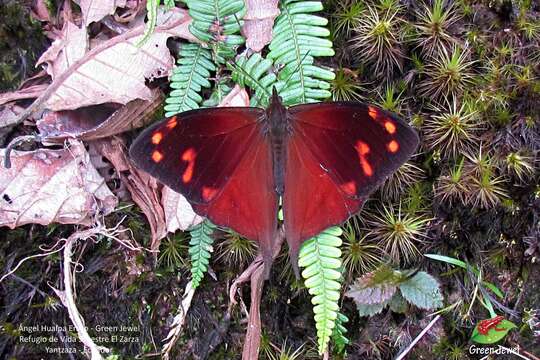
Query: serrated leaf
x=422 y=290
x=370 y=309
x=493 y=334
x=398 y=304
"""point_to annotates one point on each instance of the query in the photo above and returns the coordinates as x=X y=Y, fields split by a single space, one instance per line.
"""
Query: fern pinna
x=320 y=257
x=200 y=250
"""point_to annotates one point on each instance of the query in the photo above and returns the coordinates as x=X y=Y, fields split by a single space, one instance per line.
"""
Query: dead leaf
x=179 y=214
x=145 y=190
x=69 y=47
x=30 y=92
x=116 y=70
x=95 y=10
x=258 y=23
x=46 y=186
x=98 y=121
x=238 y=96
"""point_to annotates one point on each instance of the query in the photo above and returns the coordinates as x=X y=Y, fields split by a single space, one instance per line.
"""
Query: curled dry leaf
x=258 y=23
x=179 y=214
x=46 y=186
x=99 y=121
x=116 y=70
x=31 y=92
x=95 y=10
x=144 y=189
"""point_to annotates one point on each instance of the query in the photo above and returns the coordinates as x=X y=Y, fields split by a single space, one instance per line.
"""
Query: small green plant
x=359 y=255
x=398 y=183
x=452 y=129
x=390 y=99
x=235 y=250
x=453 y=186
x=520 y=164
x=346 y=17
x=448 y=74
x=171 y=252
x=433 y=26
x=397 y=232
x=346 y=86
x=378 y=39
x=373 y=292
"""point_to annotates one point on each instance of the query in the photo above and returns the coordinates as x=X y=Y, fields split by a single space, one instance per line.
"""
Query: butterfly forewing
x=358 y=145
x=196 y=152
x=220 y=161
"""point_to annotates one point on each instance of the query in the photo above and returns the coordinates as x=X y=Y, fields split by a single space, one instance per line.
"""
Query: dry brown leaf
x=95 y=10
x=258 y=23
x=238 y=96
x=30 y=92
x=98 y=121
x=116 y=70
x=69 y=47
x=179 y=214
x=46 y=186
x=145 y=190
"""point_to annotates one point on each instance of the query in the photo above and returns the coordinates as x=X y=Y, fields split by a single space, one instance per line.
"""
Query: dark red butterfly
x=232 y=164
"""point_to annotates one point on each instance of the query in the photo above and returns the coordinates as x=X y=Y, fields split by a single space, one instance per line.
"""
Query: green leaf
x=464 y=265
x=338 y=335
x=493 y=334
x=194 y=67
x=370 y=309
x=398 y=304
x=200 y=249
x=422 y=290
x=299 y=36
x=320 y=258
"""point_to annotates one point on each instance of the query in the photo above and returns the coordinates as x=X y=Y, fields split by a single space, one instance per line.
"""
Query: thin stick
x=417 y=339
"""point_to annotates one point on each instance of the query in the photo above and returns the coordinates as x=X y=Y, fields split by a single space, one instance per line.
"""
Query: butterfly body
x=233 y=164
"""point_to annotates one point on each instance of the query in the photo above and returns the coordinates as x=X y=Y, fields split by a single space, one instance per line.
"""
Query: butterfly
x=233 y=164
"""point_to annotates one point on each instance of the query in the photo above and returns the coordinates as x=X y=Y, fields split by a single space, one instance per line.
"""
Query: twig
x=178 y=322
x=15 y=142
x=417 y=339
x=68 y=298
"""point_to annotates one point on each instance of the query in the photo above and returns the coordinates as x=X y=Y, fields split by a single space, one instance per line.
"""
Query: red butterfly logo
x=233 y=164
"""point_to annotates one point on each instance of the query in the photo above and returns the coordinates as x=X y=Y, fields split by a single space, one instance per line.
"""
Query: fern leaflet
x=189 y=77
x=320 y=257
x=200 y=249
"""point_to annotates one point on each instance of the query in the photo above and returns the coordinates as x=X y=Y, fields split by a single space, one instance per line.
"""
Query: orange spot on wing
x=349 y=188
x=390 y=127
x=171 y=124
x=373 y=112
x=157 y=156
x=208 y=193
x=157 y=137
x=189 y=156
x=363 y=149
x=393 y=146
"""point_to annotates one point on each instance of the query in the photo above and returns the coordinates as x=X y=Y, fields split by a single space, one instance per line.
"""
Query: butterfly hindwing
x=338 y=154
x=219 y=160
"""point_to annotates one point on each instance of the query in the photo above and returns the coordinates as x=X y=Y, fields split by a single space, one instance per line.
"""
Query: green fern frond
x=299 y=36
x=320 y=257
x=152 y=7
x=189 y=77
x=221 y=89
x=217 y=23
x=253 y=72
x=338 y=335
x=200 y=249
